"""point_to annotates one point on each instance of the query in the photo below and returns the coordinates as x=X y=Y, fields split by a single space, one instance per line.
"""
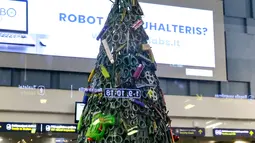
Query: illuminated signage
x=19 y=127
x=59 y=128
x=189 y=131
x=122 y=93
x=85 y=21
x=233 y=132
x=251 y=97
x=61 y=140
x=32 y=89
x=35 y=127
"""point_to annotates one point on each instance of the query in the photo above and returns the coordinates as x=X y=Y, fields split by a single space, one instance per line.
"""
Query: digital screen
x=78 y=111
x=183 y=40
x=13 y=15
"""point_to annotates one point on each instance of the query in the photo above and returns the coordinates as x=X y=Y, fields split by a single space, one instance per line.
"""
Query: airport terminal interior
x=127 y=71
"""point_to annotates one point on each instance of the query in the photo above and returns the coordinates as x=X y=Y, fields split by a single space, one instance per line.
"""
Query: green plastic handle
x=97 y=128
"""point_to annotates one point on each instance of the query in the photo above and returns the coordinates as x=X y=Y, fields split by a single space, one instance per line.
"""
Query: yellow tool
x=151 y=55
x=133 y=2
x=124 y=124
x=123 y=15
x=104 y=72
x=146 y=47
x=155 y=126
x=91 y=75
x=120 y=48
x=150 y=93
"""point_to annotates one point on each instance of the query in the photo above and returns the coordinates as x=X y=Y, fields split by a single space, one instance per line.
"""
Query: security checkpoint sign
x=219 y=132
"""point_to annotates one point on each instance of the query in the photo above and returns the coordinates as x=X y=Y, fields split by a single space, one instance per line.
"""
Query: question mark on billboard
x=205 y=30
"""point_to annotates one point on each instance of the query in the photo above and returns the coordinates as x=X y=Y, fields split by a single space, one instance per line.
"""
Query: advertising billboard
x=181 y=38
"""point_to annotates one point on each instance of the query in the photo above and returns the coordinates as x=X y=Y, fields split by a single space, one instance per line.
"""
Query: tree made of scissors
x=124 y=102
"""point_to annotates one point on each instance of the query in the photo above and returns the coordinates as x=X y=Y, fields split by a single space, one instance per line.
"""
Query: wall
x=68 y=81
x=239 y=35
x=26 y=106
x=239 y=27
x=62 y=102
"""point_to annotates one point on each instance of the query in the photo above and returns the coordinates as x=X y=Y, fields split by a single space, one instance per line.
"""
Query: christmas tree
x=124 y=103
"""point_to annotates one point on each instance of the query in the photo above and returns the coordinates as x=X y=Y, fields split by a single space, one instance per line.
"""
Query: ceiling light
x=240 y=142
x=43 y=101
x=208 y=122
x=186 y=100
x=1 y=139
x=189 y=106
x=214 y=125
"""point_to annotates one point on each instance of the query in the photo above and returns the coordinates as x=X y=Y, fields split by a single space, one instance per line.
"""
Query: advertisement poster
x=178 y=36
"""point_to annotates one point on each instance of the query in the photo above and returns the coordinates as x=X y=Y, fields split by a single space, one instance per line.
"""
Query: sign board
x=189 y=131
x=59 y=128
x=36 y=127
x=19 y=127
x=219 y=132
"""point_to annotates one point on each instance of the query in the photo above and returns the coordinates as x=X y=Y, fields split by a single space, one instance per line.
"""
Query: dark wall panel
x=250 y=28
x=240 y=43
x=234 y=88
x=177 y=87
x=15 y=77
x=204 y=88
x=193 y=88
x=239 y=56
x=37 y=78
x=235 y=8
x=55 y=76
x=235 y=24
x=72 y=80
x=163 y=84
x=208 y=88
x=253 y=8
x=5 y=77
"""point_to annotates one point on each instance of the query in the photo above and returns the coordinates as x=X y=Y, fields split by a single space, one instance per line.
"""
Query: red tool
x=137 y=24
